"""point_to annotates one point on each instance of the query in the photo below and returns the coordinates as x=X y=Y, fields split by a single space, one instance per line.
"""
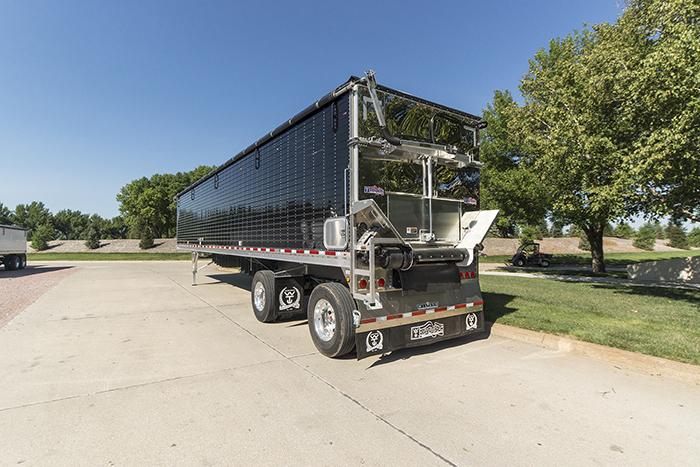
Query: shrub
x=574 y=231
x=92 y=240
x=146 y=239
x=645 y=239
x=608 y=230
x=624 y=230
x=694 y=237
x=527 y=235
x=41 y=237
x=676 y=237
x=583 y=243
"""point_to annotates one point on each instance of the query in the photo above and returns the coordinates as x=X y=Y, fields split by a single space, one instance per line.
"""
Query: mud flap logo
x=429 y=329
x=471 y=321
x=290 y=299
x=375 y=341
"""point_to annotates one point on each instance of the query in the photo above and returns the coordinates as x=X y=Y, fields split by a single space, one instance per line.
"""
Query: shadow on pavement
x=240 y=280
x=32 y=270
x=405 y=354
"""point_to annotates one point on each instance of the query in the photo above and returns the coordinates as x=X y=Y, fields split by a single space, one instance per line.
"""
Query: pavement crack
x=373 y=413
x=292 y=359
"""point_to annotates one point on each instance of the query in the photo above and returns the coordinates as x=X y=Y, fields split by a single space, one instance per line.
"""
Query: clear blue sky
x=95 y=94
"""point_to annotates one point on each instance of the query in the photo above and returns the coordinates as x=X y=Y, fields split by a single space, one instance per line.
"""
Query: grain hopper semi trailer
x=361 y=211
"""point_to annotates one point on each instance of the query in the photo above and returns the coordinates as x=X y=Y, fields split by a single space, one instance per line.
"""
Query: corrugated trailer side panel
x=278 y=195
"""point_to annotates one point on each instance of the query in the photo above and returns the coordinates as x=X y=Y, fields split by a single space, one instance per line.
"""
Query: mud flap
x=381 y=341
x=289 y=295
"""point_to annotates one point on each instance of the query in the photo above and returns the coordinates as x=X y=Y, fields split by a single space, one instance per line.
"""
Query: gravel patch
x=21 y=288
x=563 y=246
x=492 y=246
x=162 y=245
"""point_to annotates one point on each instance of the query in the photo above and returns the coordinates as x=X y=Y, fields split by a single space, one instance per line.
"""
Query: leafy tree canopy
x=663 y=103
x=147 y=203
x=33 y=216
x=509 y=182
x=5 y=215
x=611 y=120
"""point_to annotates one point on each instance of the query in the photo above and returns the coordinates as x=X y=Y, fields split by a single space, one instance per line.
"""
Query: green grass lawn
x=90 y=256
x=650 y=320
x=611 y=259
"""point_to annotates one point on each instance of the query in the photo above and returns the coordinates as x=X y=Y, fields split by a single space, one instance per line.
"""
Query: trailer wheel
x=262 y=293
x=330 y=319
x=22 y=261
x=11 y=262
x=545 y=263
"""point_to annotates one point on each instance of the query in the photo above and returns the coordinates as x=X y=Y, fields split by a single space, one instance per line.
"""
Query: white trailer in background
x=13 y=247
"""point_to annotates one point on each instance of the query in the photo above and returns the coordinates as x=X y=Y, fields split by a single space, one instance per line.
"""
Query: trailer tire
x=22 y=261
x=545 y=263
x=331 y=320
x=11 y=262
x=262 y=294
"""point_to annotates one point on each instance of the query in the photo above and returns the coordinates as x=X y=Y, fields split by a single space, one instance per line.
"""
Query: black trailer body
x=368 y=201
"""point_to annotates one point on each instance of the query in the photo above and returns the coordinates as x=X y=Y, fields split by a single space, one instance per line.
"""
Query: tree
x=42 y=235
x=70 y=225
x=645 y=239
x=557 y=230
x=92 y=238
x=114 y=228
x=5 y=215
x=33 y=216
x=658 y=229
x=527 y=235
x=147 y=204
x=663 y=104
x=571 y=132
x=508 y=180
x=677 y=237
x=623 y=230
x=694 y=237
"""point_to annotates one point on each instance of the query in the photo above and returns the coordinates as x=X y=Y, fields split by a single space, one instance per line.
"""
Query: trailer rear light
x=381 y=282
x=473 y=274
x=363 y=284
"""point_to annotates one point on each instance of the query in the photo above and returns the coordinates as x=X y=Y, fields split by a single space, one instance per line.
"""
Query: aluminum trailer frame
x=313 y=231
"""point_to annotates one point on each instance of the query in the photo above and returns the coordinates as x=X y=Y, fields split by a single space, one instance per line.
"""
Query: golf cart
x=529 y=253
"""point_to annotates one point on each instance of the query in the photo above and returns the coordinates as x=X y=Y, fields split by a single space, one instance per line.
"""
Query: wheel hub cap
x=324 y=320
x=259 y=296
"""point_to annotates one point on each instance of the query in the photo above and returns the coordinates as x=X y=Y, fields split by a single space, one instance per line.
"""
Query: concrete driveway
x=126 y=364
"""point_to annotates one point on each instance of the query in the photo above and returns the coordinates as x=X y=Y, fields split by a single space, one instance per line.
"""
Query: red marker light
x=363 y=284
x=381 y=282
x=473 y=274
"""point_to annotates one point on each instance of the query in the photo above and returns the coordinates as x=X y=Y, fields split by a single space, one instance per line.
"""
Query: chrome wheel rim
x=259 y=296
x=324 y=320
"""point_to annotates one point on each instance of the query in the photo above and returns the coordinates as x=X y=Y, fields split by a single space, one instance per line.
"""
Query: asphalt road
x=126 y=364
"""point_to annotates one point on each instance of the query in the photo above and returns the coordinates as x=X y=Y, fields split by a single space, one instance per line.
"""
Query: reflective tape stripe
x=420 y=312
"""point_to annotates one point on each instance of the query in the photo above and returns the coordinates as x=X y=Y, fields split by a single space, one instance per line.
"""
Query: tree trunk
x=594 y=233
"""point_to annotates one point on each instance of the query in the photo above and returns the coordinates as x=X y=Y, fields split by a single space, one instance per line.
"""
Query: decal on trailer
x=471 y=321
x=374 y=190
x=375 y=341
x=428 y=329
x=290 y=299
